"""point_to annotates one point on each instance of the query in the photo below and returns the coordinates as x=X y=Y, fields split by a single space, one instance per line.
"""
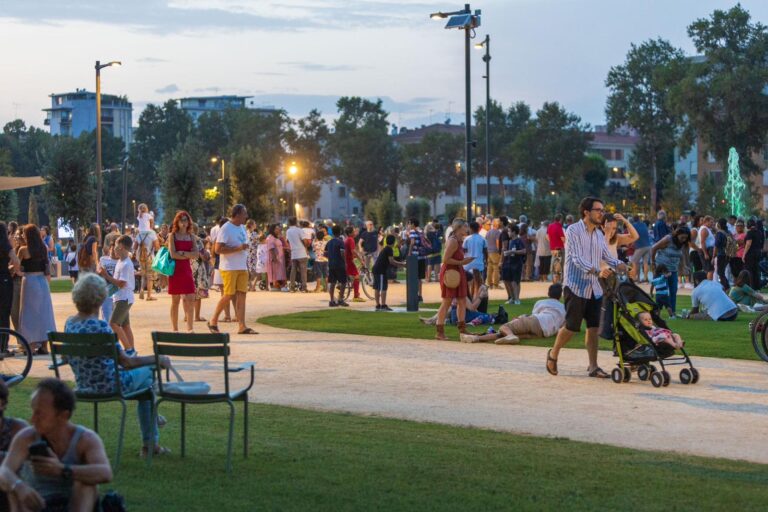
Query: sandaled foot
x=551 y=363
x=213 y=328
x=159 y=451
x=598 y=373
x=201 y=319
x=247 y=330
x=469 y=338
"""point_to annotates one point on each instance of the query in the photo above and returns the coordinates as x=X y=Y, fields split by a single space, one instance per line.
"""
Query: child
x=262 y=257
x=657 y=334
x=337 y=272
x=74 y=271
x=384 y=261
x=125 y=280
x=108 y=263
x=661 y=286
x=512 y=264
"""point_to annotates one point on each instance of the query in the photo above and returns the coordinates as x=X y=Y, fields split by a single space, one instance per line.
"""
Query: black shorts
x=544 y=263
x=422 y=268
x=511 y=273
x=380 y=282
x=337 y=275
x=578 y=309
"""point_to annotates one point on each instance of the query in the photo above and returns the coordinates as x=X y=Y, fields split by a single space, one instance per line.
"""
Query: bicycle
x=366 y=283
x=15 y=356
x=757 y=330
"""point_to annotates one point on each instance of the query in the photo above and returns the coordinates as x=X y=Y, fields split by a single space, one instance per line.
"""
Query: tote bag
x=163 y=263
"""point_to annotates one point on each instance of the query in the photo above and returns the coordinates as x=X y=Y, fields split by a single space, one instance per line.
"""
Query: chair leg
x=231 y=432
x=245 y=427
x=96 y=417
x=183 y=429
x=151 y=449
x=122 y=434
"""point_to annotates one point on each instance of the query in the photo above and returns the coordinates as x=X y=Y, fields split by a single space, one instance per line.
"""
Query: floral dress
x=253 y=256
x=200 y=272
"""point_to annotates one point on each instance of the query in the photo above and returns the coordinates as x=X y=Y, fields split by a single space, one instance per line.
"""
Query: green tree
x=113 y=159
x=250 y=183
x=161 y=130
x=711 y=197
x=309 y=146
x=182 y=185
x=30 y=149
x=417 y=208
x=265 y=132
x=213 y=132
x=594 y=174
x=365 y=155
x=9 y=203
x=676 y=196
x=722 y=95
x=551 y=147
x=383 y=210
x=638 y=97
x=71 y=192
x=429 y=166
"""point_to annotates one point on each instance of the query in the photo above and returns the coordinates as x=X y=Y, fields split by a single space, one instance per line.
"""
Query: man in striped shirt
x=585 y=248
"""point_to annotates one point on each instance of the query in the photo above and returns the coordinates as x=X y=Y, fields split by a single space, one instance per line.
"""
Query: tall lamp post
x=293 y=170
x=486 y=43
x=467 y=21
x=223 y=181
x=99 y=66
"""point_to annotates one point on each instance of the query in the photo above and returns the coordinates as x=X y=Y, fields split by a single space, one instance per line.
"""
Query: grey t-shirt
x=491 y=238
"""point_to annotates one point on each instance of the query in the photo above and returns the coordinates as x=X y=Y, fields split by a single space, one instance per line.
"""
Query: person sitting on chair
x=547 y=317
x=54 y=464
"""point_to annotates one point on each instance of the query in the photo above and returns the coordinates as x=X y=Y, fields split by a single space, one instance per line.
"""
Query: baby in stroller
x=658 y=334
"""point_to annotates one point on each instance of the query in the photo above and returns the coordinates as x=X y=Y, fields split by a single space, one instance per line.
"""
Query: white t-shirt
x=124 y=272
x=233 y=236
x=144 y=219
x=295 y=237
x=551 y=315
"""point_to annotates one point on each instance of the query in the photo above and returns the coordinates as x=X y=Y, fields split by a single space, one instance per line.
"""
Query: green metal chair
x=210 y=346
x=65 y=345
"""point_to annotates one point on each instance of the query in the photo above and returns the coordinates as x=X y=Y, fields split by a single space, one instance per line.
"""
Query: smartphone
x=39 y=448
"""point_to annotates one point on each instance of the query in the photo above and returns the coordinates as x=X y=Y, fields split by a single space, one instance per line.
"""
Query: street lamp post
x=487 y=59
x=293 y=170
x=125 y=196
x=467 y=21
x=99 y=185
x=223 y=181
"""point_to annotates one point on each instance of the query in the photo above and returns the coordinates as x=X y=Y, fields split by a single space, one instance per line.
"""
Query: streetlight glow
x=293 y=169
x=438 y=16
x=214 y=159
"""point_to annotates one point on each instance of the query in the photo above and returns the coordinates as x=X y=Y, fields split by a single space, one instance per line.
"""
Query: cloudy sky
x=300 y=54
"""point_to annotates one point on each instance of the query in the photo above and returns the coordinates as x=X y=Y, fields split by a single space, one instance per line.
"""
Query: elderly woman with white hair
x=97 y=374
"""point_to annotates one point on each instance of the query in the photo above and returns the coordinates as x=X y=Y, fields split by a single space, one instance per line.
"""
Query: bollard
x=412 y=282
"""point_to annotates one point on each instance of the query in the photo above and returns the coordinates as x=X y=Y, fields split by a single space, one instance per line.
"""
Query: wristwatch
x=66 y=473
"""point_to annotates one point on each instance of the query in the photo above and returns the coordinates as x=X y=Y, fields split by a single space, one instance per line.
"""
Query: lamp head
x=214 y=159
x=293 y=169
x=438 y=16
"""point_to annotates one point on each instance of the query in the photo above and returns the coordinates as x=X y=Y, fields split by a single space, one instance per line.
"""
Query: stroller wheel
x=627 y=374
x=695 y=373
x=643 y=372
x=686 y=376
x=665 y=375
x=617 y=375
x=657 y=380
x=652 y=368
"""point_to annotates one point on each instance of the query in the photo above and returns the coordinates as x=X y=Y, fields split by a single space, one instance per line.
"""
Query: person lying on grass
x=545 y=320
x=476 y=312
x=658 y=334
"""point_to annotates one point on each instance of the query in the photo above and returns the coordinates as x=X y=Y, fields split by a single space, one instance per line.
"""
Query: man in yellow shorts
x=231 y=245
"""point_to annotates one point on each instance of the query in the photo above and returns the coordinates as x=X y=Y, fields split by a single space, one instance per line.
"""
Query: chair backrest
x=175 y=344
x=67 y=344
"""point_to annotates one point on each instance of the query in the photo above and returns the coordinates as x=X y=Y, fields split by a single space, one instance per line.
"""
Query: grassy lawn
x=61 y=285
x=304 y=460
x=713 y=339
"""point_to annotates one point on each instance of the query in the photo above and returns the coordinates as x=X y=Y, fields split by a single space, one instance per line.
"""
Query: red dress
x=460 y=291
x=182 y=282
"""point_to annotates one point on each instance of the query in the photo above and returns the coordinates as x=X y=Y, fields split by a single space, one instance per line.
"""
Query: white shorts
x=147 y=238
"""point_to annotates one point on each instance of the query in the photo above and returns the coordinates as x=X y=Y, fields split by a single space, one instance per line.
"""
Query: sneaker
x=332 y=304
x=378 y=308
x=421 y=299
x=343 y=304
x=384 y=307
x=469 y=338
x=358 y=299
x=510 y=302
x=517 y=303
x=284 y=289
x=508 y=340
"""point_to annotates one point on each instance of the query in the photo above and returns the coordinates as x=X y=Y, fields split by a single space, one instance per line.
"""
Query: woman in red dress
x=453 y=259
x=181 y=285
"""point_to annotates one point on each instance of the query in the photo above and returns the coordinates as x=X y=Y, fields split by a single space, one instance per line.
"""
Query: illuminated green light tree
x=735 y=186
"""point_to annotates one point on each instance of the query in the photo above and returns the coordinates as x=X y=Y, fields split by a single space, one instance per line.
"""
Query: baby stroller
x=632 y=344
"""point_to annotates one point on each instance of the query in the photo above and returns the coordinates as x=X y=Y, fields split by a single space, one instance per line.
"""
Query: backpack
x=730 y=246
x=502 y=317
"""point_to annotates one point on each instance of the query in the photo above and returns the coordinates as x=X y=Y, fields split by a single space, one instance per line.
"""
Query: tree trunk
x=654 y=202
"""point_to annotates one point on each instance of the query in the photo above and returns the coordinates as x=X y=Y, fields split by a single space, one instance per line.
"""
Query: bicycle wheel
x=758 y=329
x=15 y=356
x=366 y=282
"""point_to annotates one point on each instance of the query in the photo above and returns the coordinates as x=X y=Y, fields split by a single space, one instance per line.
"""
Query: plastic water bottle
x=685 y=313
x=491 y=330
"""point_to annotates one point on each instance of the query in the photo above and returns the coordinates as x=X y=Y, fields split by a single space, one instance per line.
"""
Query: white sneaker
x=284 y=289
x=517 y=303
x=469 y=338
x=508 y=340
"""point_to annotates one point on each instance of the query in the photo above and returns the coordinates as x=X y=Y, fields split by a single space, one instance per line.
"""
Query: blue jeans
x=142 y=378
x=106 y=309
x=672 y=285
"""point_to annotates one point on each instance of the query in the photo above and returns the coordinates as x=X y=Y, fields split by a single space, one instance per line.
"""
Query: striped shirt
x=583 y=254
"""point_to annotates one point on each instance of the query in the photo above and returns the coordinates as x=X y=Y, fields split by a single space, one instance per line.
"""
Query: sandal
x=598 y=373
x=553 y=368
x=158 y=451
x=213 y=328
x=201 y=319
x=248 y=330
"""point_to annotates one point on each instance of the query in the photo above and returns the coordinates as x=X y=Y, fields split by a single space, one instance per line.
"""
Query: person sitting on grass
x=476 y=308
x=745 y=297
x=658 y=334
x=74 y=464
x=660 y=285
x=546 y=318
x=381 y=266
x=97 y=374
x=710 y=297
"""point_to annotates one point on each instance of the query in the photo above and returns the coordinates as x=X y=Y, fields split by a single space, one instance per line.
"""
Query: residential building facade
x=73 y=113
x=196 y=106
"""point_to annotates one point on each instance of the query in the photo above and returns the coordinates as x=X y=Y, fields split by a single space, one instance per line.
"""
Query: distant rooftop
x=414 y=135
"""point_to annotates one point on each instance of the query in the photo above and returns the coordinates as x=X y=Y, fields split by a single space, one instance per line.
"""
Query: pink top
x=739 y=237
x=659 y=334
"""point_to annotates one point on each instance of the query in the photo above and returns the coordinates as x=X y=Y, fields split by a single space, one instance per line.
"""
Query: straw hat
x=451 y=278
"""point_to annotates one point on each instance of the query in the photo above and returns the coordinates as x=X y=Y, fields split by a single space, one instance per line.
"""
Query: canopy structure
x=14 y=182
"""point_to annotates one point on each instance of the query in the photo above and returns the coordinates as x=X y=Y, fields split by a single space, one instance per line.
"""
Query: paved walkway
x=497 y=387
